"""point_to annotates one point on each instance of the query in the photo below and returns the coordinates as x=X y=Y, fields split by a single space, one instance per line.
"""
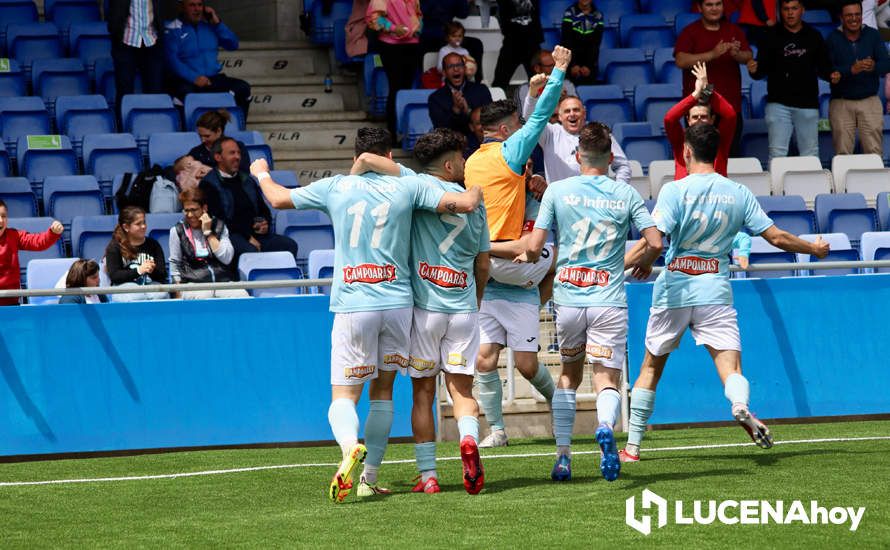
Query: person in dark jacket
x=82 y=274
x=582 y=32
x=132 y=258
x=450 y=105
x=136 y=31
x=234 y=197
x=520 y=22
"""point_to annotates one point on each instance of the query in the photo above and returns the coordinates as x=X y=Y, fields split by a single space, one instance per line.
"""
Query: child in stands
x=11 y=241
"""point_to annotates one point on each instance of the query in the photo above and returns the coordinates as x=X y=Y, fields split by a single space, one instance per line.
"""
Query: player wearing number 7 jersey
x=594 y=214
x=701 y=214
x=371 y=295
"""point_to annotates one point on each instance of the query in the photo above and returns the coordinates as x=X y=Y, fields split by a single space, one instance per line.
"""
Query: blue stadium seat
x=158 y=228
x=825 y=29
x=247 y=137
x=606 y=104
x=198 y=103
x=824 y=98
x=783 y=203
x=66 y=12
x=165 y=147
x=647 y=149
x=260 y=150
x=285 y=178
x=18 y=196
x=67 y=196
x=21 y=116
x=875 y=245
x=90 y=235
x=311 y=229
x=89 y=42
x=77 y=116
x=849 y=210
x=652 y=101
x=613 y=9
x=755 y=140
x=620 y=55
x=771 y=258
x=45 y=274
x=270 y=266
x=36 y=225
x=645 y=30
x=683 y=20
x=551 y=13
x=758 y=98
x=40 y=157
x=5 y=170
x=883 y=204
x=632 y=129
x=610 y=39
x=103 y=79
x=322 y=29
x=841 y=251
x=12 y=79
x=15 y=11
x=321 y=266
x=551 y=39
x=26 y=42
x=145 y=115
x=413 y=115
x=379 y=89
x=666 y=71
x=796 y=222
x=107 y=155
x=51 y=78
x=669 y=9
x=629 y=74
x=817 y=16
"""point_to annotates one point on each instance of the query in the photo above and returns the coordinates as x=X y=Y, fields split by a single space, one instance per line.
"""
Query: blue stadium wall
x=173 y=374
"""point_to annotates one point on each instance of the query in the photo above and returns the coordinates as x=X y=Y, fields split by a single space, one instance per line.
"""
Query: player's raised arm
x=369 y=162
x=460 y=203
x=277 y=195
x=789 y=243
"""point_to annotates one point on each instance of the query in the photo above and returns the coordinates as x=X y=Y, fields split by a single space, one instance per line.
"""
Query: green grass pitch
x=519 y=508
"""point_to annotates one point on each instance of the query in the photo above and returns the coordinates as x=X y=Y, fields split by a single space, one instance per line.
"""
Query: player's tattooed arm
x=460 y=203
x=481 y=269
x=277 y=195
x=369 y=162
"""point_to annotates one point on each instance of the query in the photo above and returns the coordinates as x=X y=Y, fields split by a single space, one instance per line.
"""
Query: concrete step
x=296 y=136
x=248 y=45
x=312 y=165
x=308 y=117
x=251 y=64
x=302 y=83
x=274 y=105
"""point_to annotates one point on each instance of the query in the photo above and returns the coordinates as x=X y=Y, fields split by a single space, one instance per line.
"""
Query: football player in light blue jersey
x=371 y=296
x=450 y=266
x=594 y=214
x=701 y=214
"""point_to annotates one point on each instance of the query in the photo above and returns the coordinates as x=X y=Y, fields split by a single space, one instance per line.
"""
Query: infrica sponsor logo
x=732 y=512
x=369 y=273
x=442 y=276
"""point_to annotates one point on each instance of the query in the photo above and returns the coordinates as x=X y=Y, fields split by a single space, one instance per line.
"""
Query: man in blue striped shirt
x=135 y=28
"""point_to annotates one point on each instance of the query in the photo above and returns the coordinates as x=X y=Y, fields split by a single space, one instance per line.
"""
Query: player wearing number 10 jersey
x=594 y=214
x=371 y=295
x=701 y=214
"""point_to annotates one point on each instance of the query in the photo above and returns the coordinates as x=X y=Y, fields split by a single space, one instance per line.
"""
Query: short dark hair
x=3 y=204
x=377 y=141
x=845 y=3
x=704 y=140
x=595 y=144
x=217 y=145
x=433 y=145
x=495 y=112
x=789 y=1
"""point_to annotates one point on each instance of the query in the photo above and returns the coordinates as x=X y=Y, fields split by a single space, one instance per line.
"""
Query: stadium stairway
x=310 y=132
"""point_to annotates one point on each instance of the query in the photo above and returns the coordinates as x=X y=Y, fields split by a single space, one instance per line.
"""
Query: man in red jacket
x=13 y=240
x=703 y=105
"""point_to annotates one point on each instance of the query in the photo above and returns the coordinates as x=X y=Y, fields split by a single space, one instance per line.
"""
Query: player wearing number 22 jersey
x=593 y=214
x=371 y=295
x=701 y=215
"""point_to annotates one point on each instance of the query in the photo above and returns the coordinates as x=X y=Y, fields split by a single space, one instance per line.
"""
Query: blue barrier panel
x=811 y=346
x=169 y=374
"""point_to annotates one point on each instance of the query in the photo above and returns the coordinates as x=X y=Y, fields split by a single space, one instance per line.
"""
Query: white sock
x=344 y=423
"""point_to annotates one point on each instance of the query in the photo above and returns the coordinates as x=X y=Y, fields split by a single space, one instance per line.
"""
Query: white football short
x=511 y=324
x=715 y=326
x=600 y=333
x=443 y=342
x=363 y=342
x=525 y=275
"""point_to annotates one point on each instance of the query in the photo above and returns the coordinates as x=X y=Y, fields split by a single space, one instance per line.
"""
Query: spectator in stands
x=520 y=22
x=436 y=15
x=211 y=126
x=560 y=142
x=234 y=197
x=757 y=17
x=702 y=106
x=582 y=32
x=200 y=250
x=793 y=56
x=13 y=240
x=859 y=59
x=542 y=63
x=398 y=24
x=189 y=172
x=134 y=259
x=454 y=33
x=450 y=105
x=723 y=46
x=191 y=43
x=135 y=27
x=83 y=274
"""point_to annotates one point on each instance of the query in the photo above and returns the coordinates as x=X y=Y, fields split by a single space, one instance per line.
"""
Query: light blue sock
x=344 y=423
x=563 y=416
x=491 y=392
x=468 y=426
x=543 y=382
x=425 y=455
x=642 y=402
x=608 y=402
x=377 y=431
x=737 y=389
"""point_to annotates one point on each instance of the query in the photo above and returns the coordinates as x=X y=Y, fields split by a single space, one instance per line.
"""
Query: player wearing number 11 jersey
x=594 y=214
x=701 y=214
x=371 y=295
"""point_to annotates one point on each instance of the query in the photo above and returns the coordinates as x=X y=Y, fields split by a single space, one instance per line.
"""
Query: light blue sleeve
x=519 y=146
x=545 y=211
x=314 y=195
x=404 y=171
x=742 y=243
x=639 y=214
x=485 y=236
x=426 y=196
x=666 y=215
x=756 y=219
